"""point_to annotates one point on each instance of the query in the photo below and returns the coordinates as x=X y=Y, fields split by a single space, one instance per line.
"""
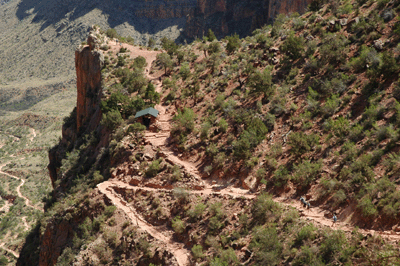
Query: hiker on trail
x=308 y=205
x=334 y=219
x=303 y=201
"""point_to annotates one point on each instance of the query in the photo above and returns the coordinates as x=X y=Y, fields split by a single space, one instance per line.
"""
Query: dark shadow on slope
x=30 y=251
x=50 y=12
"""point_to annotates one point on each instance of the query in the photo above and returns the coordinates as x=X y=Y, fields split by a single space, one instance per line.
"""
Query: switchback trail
x=177 y=249
x=9 y=250
x=27 y=201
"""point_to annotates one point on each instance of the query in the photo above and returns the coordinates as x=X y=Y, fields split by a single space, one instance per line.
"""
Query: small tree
x=211 y=36
x=151 y=42
x=165 y=61
x=169 y=46
x=233 y=43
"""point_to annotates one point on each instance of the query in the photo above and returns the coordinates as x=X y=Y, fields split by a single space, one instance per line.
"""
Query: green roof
x=148 y=111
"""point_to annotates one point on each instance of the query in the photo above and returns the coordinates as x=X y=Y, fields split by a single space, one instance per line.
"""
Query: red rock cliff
x=226 y=17
x=89 y=61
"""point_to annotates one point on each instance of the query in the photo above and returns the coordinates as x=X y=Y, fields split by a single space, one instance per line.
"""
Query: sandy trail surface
x=176 y=248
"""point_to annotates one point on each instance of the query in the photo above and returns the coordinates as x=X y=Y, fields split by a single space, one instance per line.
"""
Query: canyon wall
x=226 y=17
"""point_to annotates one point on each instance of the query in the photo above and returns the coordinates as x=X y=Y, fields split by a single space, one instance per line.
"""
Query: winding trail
x=9 y=250
x=27 y=201
x=176 y=248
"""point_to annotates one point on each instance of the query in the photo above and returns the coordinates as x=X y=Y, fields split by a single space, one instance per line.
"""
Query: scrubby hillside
x=306 y=107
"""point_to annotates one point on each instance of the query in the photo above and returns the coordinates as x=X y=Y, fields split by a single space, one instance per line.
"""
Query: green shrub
x=264 y=208
x=227 y=257
x=197 y=251
x=196 y=212
x=367 y=208
x=139 y=62
x=293 y=46
x=301 y=143
x=307 y=232
x=266 y=246
x=261 y=82
x=112 y=119
x=333 y=50
x=109 y=211
x=281 y=176
x=223 y=125
x=154 y=168
x=233 y=43
x=306 y=172
x=178 y=225
x=185 y=71
x=333 y=246
x=183 y=124
x=112 y=33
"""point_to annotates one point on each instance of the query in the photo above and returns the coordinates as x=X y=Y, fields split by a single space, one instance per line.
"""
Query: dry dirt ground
x=159 y=141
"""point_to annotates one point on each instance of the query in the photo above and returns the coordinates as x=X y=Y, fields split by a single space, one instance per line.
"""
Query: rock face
x=226 y=17
x=89 y=61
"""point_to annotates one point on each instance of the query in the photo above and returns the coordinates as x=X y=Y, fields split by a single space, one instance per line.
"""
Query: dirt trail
x=8 y=250
x=27 y=201
x=177 y=249
x=317 y=214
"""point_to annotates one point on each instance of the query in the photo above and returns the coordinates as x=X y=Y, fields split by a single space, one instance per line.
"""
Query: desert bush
x=183 y=124
x=112 y=119
x=112 y=33
x=293 y=46
x=331 y=105
x=154 y=168
x=214 y=48
x=233 y=43
x=197 y=251
x=249 y=139
x=266 y=246
x=333 y=246
x=109 y=211
x=196 y=212
x=223 y=125
x=139 y=62
x=211 y=36
x=261 y=82
x=178 y=225
x=226 y=257
x=281 y=176
x=180 y=193
x=307 y=232
x=185 y=71
x=367 y=208
x=301 y=143
x=306 y=172
x=333 y=50
x=151 y=94
x=169 y=45
x=264 y=208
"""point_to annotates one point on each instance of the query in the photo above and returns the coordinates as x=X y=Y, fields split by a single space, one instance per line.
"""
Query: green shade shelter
x=148 y=111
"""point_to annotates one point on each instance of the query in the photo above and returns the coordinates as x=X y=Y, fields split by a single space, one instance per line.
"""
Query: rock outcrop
x=89 y=61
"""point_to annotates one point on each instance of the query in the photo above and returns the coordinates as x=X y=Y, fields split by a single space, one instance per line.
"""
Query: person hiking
x=308 y=205
x=334 y=219
x=303 y=201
